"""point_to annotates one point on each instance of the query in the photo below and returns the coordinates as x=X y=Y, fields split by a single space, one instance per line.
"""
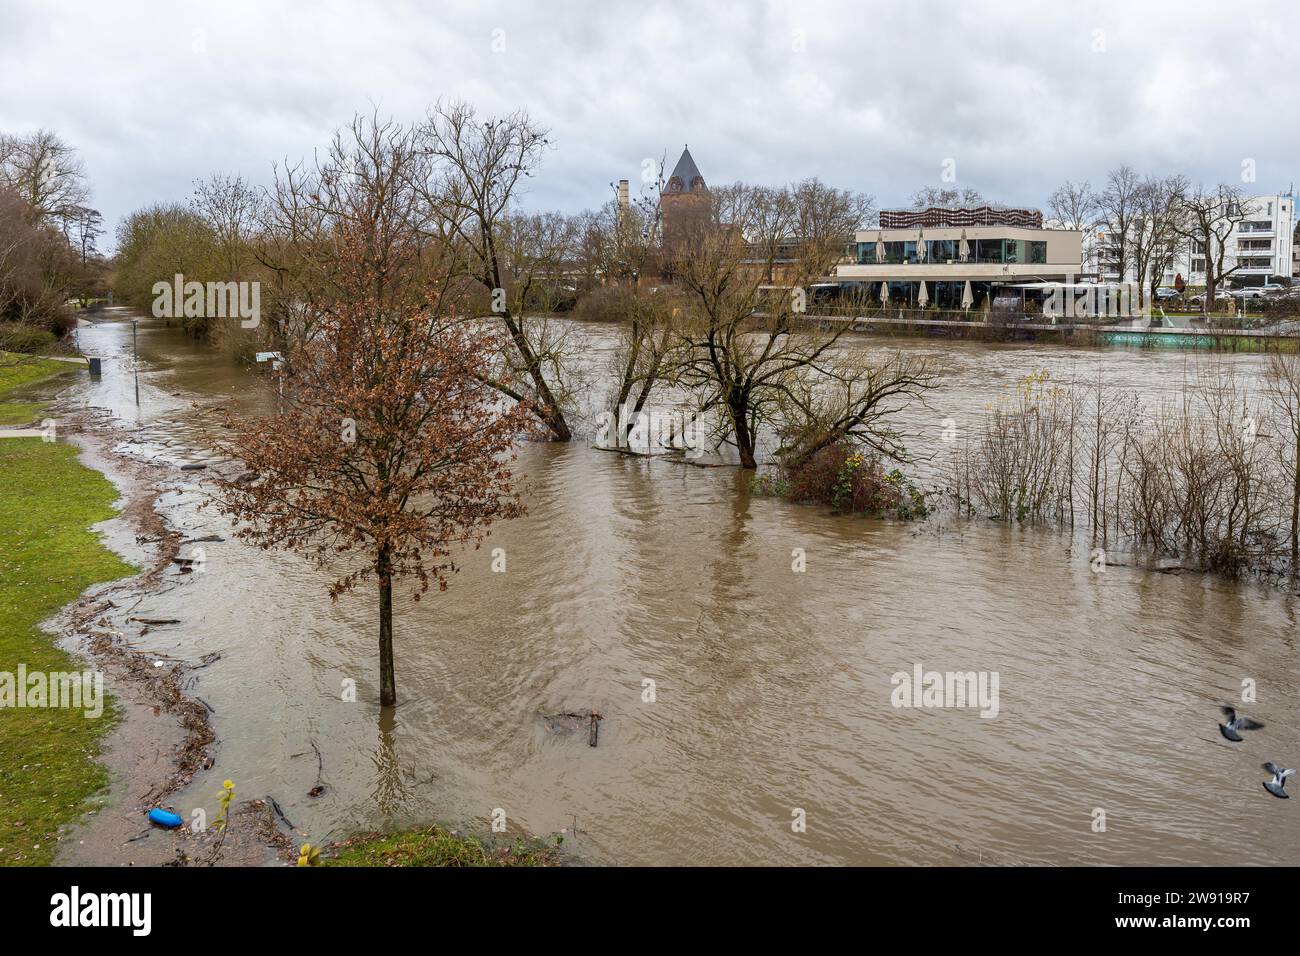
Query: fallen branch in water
x=593 y=722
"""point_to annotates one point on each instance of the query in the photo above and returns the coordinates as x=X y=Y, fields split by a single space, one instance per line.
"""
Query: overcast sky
x=872 y=96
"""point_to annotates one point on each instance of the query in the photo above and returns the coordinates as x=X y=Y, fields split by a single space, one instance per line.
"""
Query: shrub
x=850 y=481
x=37 y=268
x=771 y=485
x=611 y=303
x=21 y=337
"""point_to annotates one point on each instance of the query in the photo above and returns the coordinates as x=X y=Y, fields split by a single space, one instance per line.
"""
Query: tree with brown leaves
x=389 y=451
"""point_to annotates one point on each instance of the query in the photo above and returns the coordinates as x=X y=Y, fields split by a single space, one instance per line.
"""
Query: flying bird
x=1234 y=724
x=1277 y=786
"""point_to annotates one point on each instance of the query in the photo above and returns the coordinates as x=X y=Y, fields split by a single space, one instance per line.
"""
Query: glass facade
x=946 y=250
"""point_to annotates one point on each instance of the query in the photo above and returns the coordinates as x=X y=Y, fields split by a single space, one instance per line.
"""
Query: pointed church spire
x=686 y=175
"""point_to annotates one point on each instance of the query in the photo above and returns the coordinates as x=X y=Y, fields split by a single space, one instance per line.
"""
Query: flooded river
x=771 y=687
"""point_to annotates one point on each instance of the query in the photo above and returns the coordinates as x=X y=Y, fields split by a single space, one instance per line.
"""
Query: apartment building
x=1261 y=248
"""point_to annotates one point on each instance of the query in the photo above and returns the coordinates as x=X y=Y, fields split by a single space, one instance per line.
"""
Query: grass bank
x=436 y=846
x=18 y=371
x=48 y=556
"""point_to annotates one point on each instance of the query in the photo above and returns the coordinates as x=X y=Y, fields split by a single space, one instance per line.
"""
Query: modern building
x=1260 y=248
x=996 y=250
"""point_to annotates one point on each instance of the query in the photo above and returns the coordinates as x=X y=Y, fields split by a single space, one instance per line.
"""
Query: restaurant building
x=958 y=257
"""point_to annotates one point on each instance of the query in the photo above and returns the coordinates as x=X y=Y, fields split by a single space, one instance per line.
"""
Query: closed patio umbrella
x=884 y=292
x=963 y=251
x=967 y=298
x=920 y=245
x=923 y=297
x=880 y=247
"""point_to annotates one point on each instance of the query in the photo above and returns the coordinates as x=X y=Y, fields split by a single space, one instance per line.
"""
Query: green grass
x=20 y=413
x=19 y=371
x=48 y=556
x=436 y=846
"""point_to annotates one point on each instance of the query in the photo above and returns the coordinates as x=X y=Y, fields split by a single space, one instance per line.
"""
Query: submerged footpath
x=81 y=536
x=85 y=542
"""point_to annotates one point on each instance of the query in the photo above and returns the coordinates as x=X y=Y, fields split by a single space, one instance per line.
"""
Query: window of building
x=944 y=250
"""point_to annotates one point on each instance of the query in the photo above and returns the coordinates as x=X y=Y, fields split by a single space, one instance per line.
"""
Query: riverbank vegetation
x=49 y=555
x=1210 y=478
x=48 y=239
x=851 y=481
x=437 y=846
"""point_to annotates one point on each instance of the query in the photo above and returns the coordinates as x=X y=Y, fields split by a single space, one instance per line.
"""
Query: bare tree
x=230 y=206
x=38 y=268
x=1074 y=205
x=45 y=172
x=477 y=170
x=750 y=354
x=1282 y=384
x=1120 y=214
x=650 y=351
x=1206 y=218
x=617 y=244
x=851 y=396
x=1154 y=241
x=937 y=196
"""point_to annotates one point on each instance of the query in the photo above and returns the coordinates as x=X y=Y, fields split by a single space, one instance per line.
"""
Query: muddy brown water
x=772 y=688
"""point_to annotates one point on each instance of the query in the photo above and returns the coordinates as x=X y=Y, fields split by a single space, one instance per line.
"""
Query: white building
x=1260 y=249
x=1259 y=246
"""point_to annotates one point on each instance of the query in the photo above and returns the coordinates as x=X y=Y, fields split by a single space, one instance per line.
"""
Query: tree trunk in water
x=550 y=408
x=387 y=682
x=1295 y=513
x=744 y=440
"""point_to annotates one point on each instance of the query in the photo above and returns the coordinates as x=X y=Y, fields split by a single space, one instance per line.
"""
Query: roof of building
x=686 y=172
x=983 y=215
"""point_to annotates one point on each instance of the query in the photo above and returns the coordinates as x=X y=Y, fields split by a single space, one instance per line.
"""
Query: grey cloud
x=873 y=96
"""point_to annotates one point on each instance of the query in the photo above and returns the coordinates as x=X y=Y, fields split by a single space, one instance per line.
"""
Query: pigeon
x=1277 y=786
x=1235 y=724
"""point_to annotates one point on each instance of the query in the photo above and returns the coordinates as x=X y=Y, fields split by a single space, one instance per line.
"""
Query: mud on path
x=164 y=735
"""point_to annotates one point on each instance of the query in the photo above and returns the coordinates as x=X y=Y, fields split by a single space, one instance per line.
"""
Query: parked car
x=1253 y=291
x=1167 y=292
x=1273 y=288
x=1220 y=295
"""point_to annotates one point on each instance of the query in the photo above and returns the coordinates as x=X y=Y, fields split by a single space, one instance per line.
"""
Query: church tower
x=686 y=176
x=685 y=199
